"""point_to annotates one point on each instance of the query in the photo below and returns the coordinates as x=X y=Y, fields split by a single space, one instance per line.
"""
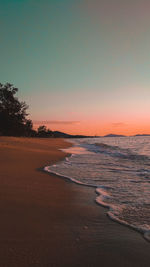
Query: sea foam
x=119 y=169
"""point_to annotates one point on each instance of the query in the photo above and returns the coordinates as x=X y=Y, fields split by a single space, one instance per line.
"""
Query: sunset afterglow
x=82 y=66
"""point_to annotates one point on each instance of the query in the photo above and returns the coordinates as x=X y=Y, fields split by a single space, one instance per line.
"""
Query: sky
x=82 y=66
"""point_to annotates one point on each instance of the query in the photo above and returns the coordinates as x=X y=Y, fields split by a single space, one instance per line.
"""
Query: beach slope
x=50 y=221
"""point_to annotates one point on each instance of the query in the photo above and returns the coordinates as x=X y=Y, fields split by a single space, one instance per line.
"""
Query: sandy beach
x=49 y=221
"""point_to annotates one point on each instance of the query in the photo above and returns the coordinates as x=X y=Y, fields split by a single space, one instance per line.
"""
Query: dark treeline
x=13 y=113
x=14 y=117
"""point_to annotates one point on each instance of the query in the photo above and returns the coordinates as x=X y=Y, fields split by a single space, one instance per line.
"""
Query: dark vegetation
x=14 y=117
x=13 y=113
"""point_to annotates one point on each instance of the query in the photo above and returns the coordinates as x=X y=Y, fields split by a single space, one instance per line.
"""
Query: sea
x=119 y=169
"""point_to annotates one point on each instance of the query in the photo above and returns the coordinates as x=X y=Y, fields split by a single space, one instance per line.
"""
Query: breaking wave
x=119 y=169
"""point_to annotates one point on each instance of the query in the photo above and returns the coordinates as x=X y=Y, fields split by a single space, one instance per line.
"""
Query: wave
x=115 y=211
x=48 y=169
x=104 y=199
x=115 y=151
x=119 y=176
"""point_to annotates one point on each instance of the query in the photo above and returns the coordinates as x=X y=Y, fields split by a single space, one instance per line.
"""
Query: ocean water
x=119 y=169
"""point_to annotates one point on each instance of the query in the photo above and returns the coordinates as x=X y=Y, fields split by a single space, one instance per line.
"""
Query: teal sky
x=79 y=62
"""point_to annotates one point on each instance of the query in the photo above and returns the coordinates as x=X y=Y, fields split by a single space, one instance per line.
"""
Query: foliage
x=13 y=117
x=42 y=131
x=13 y=113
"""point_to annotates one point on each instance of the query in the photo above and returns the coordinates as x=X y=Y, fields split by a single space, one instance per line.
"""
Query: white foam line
x=99 y=199
x=110 y=213
x=146 y=233
x=47 y=169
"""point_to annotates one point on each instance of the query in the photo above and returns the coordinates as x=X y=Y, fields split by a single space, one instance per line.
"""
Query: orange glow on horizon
x=96 y=128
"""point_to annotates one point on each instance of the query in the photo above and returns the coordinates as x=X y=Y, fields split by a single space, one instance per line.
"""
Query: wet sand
x=49 y=221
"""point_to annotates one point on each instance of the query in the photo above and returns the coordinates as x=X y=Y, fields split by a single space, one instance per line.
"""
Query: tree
x=29 y=129
x=42 y=131
x=13 y=113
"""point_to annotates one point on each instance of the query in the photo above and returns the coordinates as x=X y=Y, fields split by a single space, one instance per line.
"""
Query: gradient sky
x=82 y=66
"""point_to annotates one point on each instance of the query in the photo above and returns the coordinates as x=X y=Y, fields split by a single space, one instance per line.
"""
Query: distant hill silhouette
x=142 y=135
x=114 y=135
x=64 y=135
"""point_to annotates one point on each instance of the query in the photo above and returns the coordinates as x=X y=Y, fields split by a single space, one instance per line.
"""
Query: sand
x=46 y=220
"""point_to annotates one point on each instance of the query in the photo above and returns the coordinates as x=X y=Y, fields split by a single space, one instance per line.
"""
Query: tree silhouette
x=13 y=113
x=42 y=131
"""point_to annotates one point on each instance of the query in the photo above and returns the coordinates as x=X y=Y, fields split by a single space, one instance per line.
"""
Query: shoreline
x=145 y=234
x=49 y=221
